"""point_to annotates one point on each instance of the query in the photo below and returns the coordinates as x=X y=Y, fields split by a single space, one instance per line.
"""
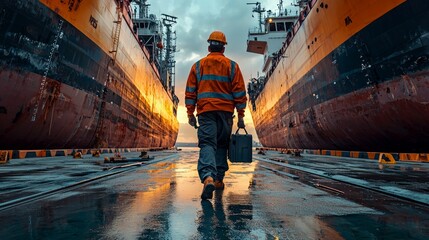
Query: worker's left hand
x=240 y=123
x=192 y=121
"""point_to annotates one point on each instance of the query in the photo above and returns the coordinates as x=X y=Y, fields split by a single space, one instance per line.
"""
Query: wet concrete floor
x=162 y=201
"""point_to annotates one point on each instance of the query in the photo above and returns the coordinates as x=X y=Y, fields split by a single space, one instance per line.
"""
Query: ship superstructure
x=158 y=37
x=267 y=39
x=78 y=74
x=348 y=75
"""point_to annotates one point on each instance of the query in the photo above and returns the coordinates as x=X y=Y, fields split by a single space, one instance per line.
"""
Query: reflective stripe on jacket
x=215 y=83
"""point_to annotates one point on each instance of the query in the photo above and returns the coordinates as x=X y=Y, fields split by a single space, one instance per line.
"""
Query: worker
x=215 y=86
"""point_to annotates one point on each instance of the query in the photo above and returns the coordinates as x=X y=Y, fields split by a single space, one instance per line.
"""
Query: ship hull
x=62 y=88
x=367 y=92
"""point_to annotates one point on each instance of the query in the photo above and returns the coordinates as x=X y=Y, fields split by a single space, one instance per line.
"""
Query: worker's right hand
x=192 y=121
x=240 y=123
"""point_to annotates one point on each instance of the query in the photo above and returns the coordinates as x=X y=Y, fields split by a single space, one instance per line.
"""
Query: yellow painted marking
x=4 y=156
x=419 y=157
x=77 y=155
x=371 y=155
x=390 y=159
x=41 y=153
x=338 y=153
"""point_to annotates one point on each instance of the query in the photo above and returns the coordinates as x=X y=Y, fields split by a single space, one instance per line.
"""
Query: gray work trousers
x=213 y=140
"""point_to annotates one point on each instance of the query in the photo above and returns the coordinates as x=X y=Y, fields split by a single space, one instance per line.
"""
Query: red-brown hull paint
x=370 y=119
x=347 y=81
x=69 y=120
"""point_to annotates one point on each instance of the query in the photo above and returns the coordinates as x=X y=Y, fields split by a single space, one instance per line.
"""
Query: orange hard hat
x=217 y=36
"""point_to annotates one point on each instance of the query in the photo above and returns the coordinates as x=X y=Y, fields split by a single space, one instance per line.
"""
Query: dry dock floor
x=277 y=196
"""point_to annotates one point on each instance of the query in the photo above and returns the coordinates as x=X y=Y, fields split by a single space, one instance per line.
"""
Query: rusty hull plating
x=73 y=76
x=353 y=77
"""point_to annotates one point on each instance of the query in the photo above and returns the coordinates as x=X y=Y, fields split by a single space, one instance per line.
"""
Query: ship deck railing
x=256 y=31
x=290 y=35
x=126 y=11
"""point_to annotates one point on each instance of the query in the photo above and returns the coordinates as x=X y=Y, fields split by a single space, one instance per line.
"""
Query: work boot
x=219 y=185
x=208 y=189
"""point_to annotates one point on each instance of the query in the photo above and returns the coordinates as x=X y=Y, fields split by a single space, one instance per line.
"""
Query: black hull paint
x=369 y=94
x=84 y=105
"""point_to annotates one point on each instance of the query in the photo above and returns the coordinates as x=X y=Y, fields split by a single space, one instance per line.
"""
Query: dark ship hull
x=354 y=77
x=65 y=84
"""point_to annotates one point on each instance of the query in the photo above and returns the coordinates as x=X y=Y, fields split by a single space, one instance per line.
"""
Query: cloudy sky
x=196 y=19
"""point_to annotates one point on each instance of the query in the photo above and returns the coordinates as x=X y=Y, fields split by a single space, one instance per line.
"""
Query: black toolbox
x=240 y=147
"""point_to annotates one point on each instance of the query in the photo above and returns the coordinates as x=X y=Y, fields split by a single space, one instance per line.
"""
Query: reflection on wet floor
x=162 y=201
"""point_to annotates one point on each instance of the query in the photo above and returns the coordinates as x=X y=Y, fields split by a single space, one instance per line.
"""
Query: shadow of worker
x=212 y=222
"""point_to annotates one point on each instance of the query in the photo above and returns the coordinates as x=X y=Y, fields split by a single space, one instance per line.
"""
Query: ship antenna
x=143 y=8
x=169 y=62
x=258 y=10
x=280 y=6
x=301 y=3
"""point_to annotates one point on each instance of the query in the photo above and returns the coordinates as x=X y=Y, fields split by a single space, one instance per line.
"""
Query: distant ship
x=343 y=75
x=86 y=74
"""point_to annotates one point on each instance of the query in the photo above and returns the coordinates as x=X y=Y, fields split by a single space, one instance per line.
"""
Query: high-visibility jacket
x=215 y=83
